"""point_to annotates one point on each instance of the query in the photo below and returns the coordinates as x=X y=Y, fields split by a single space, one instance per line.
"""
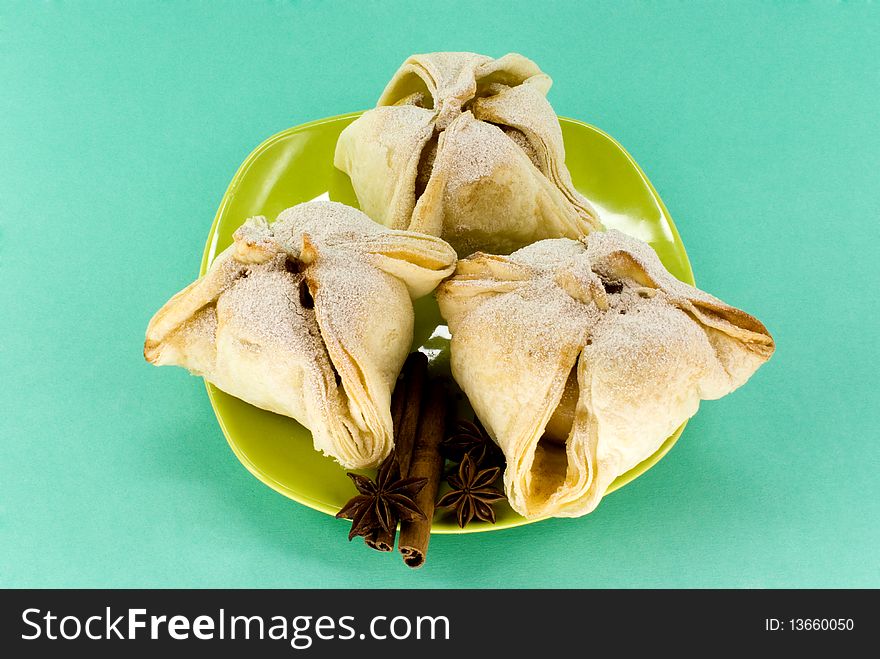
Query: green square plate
x=296 y=165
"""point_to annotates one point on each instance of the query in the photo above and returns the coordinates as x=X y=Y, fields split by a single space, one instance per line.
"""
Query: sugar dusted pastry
x=466 y=147
x=582 y=357
x=310 y=317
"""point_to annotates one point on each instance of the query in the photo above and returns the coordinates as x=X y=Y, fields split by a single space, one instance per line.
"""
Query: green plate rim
x=321 y=506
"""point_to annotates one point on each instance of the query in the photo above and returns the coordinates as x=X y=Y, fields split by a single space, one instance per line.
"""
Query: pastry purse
x=581 y=357
x=466 y=147
x=310 y=317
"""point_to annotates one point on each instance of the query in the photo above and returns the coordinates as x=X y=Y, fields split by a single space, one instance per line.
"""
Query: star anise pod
x=472 y=492
x=383 y=502
x=471 y=439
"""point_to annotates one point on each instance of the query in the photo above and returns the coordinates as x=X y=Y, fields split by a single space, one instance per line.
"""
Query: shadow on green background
x=121 y=127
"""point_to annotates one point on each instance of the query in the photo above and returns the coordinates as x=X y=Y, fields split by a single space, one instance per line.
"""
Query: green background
x=120 y=127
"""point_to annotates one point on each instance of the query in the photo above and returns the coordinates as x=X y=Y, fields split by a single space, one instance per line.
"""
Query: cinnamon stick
x=404 y=441
x=405 y=405
x=426 y=463
x=398 y=402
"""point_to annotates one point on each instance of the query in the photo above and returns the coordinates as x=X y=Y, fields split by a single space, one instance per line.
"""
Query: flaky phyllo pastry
x=582 y=357
x=466 y=147
x=310 y=317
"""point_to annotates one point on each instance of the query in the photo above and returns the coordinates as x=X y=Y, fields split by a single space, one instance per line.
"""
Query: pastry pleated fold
x=466 y=147
x=310 y=317
x=581 y=357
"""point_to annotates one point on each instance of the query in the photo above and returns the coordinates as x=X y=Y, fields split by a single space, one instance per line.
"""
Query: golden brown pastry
x=581 y=357
x=310 y=317
x=466 y=147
